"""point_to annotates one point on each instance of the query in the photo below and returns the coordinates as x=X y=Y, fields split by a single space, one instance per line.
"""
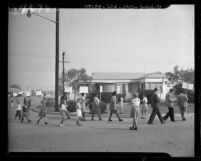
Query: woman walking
x=42 y=113
x=96 y=108
x=135 y=111
x=113 y=107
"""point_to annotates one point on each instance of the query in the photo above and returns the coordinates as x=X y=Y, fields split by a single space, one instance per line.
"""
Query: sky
x=99 y=40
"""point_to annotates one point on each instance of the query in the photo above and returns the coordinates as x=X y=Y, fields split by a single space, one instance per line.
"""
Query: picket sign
x=83 y=89
x=187 y=86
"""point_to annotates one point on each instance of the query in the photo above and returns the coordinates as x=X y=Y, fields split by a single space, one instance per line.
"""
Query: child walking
x=121 y=104
x=144 y=108
x=18 y=110
x=42 y=113
x=25 y=114
x=79 y=111
x=82 y=97
x=135 y=111
x=63 y=112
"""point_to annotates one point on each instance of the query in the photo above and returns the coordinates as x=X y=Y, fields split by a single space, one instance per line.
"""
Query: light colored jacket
x=182 y=100
x=169 y=99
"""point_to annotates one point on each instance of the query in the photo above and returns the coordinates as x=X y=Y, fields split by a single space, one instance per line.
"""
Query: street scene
x=102 y=80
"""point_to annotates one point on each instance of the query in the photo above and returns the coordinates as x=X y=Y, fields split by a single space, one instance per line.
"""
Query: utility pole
x=29 y=13
x=63 y=73
x=57 y=62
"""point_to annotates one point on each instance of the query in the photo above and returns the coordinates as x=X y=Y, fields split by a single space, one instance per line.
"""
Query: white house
x=128 y=83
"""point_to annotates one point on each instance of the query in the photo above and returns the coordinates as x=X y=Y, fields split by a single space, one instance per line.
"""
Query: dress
x=113 y=104
x=42 y=112
x=78 y=109
x=135 y=111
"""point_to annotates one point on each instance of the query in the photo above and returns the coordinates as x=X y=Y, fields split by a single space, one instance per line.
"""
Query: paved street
x=176 y=138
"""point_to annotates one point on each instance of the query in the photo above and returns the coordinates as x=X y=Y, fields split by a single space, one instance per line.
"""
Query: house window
x=152 y=85
x=147 y=85
x=108 y=87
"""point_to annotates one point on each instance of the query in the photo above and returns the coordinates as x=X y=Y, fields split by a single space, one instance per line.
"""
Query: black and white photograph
x=98 y=79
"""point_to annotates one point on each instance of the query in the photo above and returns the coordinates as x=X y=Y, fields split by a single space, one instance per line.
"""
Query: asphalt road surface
x=174 y=138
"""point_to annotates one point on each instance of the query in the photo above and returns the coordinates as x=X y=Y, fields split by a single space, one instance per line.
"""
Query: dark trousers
x=115 y=112
x=18 y=114
x=155 y=112
x=25 y=114
x=170 y=114
x=83 y=115
x=92 y=116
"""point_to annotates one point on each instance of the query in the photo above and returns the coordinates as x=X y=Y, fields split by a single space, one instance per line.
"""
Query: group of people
x=170 y=99
x=22 y=109
x=135 y=113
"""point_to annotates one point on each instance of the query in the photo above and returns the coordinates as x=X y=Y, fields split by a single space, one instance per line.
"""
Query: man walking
x=154 y=105
x=170 y=104
x=182 y=103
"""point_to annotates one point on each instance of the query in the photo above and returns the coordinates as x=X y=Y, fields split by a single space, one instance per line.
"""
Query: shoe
x=61 y=125
x=184 y=119
x=135 y=128
x=162 y=122
x=120 y=120
x=29 y=121
x=37 y=121
x=149 y=123
x=173 y=121
x=92 y=119
x=46 y=123
x=109 y=120
x=100 y=120
x=68 y=117
x=164 y=119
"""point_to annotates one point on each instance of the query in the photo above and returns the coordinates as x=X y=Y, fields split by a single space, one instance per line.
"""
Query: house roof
x=154 y=75
x=125 y=76
x=116 y=76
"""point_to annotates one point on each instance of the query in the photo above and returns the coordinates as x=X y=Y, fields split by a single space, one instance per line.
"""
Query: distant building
x=128 y=83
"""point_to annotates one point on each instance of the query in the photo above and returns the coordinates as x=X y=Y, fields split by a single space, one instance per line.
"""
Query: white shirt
x=19 y=107
x=144 y=100
x=135 y=102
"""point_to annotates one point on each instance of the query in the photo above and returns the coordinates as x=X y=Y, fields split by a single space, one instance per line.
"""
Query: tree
x=181 y=76
x=73 y=76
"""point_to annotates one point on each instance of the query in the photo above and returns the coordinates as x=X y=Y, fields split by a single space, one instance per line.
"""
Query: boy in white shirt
x=79 y=111
x=144 y=109
x=18 y=110
x=135 y=111
x=121 y=104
